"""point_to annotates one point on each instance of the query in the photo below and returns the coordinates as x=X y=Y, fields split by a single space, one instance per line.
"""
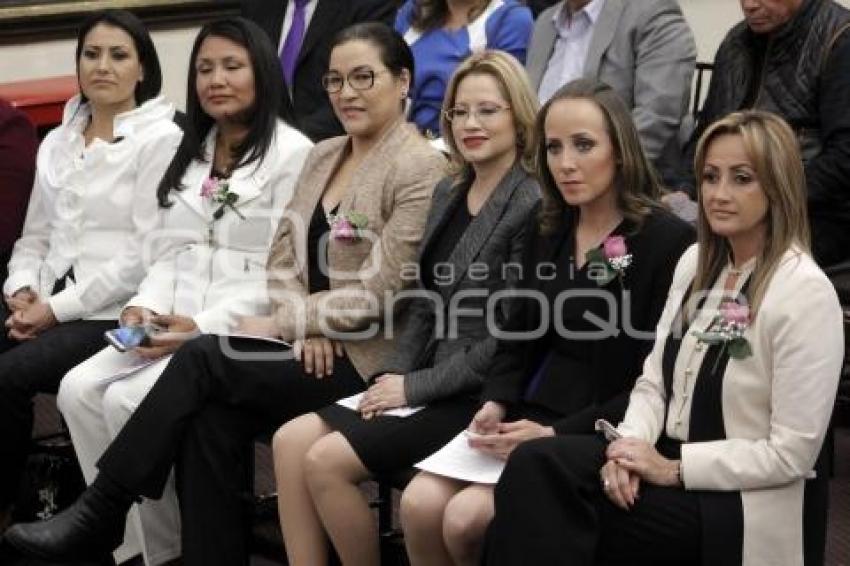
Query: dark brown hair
x=432 y=14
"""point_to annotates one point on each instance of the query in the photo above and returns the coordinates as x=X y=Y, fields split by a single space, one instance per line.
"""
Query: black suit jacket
x=615 y=361
x=312 y=109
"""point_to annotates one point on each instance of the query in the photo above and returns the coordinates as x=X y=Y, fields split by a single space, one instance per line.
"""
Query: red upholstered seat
x=41 y=99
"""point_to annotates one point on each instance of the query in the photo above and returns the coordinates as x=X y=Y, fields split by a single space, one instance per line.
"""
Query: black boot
x=87 y=530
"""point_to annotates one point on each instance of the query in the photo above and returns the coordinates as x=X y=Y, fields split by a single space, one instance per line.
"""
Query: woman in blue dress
x=442 y=33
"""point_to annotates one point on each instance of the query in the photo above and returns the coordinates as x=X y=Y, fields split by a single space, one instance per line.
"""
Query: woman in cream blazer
x=726 y=422
x=79 y=257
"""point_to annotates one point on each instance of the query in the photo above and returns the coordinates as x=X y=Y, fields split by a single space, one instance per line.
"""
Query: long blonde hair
x=774 y=153
x=514 y=86
x=637 y=185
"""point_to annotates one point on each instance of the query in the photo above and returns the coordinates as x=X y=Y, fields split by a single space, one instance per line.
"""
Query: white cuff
x=18 y=280
x=66 y=305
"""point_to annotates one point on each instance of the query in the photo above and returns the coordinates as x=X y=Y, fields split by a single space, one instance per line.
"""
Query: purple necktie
x=292 y=45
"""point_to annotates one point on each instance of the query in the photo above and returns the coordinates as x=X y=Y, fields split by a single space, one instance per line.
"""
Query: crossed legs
x=318 y=477
x=96 y=407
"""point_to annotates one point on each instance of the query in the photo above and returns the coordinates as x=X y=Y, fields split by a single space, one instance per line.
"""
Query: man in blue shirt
x=644 y=50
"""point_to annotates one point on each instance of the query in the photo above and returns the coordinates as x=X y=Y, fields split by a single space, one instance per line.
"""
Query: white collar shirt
x=574 y=34
x=91 y=209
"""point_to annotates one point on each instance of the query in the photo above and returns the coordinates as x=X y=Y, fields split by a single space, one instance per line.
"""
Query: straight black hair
x=261 y=119
x=151 y=82
x=394 y=52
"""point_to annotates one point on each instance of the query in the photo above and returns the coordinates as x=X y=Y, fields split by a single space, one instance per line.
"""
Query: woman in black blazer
x=601 y=261
x=475 y=230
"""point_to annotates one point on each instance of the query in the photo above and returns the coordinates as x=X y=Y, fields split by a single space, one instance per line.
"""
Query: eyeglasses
x=483 y=114
x=358 y=79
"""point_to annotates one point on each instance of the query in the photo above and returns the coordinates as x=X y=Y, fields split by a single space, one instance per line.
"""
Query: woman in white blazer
x=728 y=418
x=208 y=268
x=93 y=201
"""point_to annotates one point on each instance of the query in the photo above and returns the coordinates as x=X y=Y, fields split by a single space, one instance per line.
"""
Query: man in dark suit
x=315 y=22
x=18 y=144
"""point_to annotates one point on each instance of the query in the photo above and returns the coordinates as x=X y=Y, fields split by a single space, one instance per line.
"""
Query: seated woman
x=728 y=417
x=356 y=216
x=600 y=261
x=471 y=249
x=235 y=142
x=92 y=204
x=442 y=33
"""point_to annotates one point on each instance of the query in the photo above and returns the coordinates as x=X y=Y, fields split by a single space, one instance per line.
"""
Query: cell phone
x=128 y=337
x=608 y=430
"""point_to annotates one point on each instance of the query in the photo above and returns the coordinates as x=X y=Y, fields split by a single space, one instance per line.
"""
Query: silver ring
x=606 y=484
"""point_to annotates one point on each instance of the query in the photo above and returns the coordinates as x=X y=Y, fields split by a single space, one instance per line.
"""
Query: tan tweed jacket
x=392 y=188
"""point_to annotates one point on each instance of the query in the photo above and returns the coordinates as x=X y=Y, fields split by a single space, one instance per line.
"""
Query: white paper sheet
x=457 y=460
x=262 y=338
x=354 y=401
x=134 y=364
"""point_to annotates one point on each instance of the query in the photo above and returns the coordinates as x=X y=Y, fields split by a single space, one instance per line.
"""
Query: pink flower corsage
x=610 y=261
x=218 y=191
x=728 y=329
x=347 y=226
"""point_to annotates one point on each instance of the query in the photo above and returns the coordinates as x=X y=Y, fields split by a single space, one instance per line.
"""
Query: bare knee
x=331 y=460
x=465 y=522
x=293 y=439
x=423 y=503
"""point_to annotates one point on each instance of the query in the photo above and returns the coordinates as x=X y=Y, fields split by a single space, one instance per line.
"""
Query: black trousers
x=31 y=367
x=815 y=513
x=830 y=241
x=202 y=415
x=550 y=509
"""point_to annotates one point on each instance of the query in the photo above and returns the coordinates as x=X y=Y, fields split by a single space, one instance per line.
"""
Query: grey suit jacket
x=645 y=51
x=437 y=367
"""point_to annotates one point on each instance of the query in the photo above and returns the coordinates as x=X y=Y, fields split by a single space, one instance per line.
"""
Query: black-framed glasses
x=483 y=114
x=358 y=79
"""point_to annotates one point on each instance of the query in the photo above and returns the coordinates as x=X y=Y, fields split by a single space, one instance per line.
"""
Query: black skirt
x=388 y=445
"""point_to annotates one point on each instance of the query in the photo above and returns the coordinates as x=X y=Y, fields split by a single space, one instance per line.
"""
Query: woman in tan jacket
x=355 y=219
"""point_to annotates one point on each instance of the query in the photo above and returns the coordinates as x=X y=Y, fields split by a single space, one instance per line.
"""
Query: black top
x=589 y=377
x=439 y=252
x=570 y=358
x=317 y=272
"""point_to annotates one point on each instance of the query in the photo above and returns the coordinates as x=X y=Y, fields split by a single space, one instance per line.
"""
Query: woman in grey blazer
x=474 y=233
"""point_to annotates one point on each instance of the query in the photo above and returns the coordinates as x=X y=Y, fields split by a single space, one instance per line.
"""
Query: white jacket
x=91 y=208
x=214 y=270
x=776 y=403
